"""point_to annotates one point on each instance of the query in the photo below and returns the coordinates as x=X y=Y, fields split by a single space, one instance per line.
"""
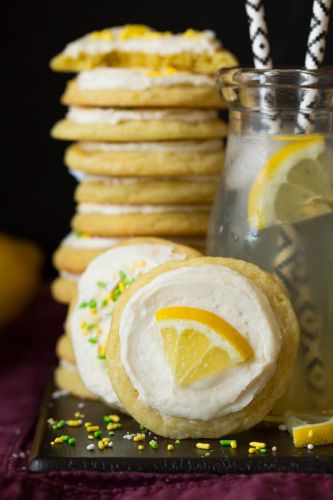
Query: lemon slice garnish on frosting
x=198 y=343
x=294 y=185
x=310 y=428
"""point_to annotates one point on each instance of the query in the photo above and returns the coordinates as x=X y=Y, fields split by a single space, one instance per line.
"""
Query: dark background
x=36 y=192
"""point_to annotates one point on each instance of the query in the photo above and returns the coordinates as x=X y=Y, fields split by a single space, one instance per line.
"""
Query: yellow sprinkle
x=90 y=436
x=252 y=450
x=58 y=440
x=111 y=426
x=93 y=311
x=171 y=447
x=93 y=428
x=106 y=441
x=83 y=325
x=77 y=414
x=121 y=286
x=87 y=424
x=203 y=446
x=74 y=423
x=233 y=444
x=102 y=351
x=258 y=445
x=139 y=437
x=114 y=418
x=141 y=447
x=100 y=445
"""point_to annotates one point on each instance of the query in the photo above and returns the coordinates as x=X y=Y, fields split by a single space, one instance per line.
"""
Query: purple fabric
x=26 y=353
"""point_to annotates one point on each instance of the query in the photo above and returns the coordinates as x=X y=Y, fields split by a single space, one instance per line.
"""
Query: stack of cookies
x=144 y=110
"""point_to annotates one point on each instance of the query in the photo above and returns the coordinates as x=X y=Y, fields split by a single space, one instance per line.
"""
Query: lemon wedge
x=314 y=428
x=294 y=185
x=198 y=343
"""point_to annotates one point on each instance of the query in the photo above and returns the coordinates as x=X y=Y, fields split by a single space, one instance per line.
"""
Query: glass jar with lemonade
x=275 y=206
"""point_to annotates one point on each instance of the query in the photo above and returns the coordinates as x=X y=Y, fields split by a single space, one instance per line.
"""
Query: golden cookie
x=63 y=290
x=182 y=158
x=148 y=130
x=148 y=192
x=140 y=46
x=202 y=348
x=138 y=224
x=64 y=349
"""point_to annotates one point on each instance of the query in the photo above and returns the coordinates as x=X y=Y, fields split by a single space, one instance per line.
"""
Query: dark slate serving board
x=124 y=456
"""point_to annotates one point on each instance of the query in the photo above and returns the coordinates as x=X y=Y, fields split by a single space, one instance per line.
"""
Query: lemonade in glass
x=275 y=206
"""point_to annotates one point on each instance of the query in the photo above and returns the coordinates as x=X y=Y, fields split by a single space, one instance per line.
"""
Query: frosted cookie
x=138 y=87
x=141 y=46
x=202 y=348
x=146 y=190
x=141 y=220
x=99 y=289
x=147 y=158
x=63 y=289
x=112 y=124
x=67 y=377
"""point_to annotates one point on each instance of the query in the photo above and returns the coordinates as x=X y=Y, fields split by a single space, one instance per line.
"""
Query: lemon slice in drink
x=198 y=343
x=294 y=185
x=314 y=428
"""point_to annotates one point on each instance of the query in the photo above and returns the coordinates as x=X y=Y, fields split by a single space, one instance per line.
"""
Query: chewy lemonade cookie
x=202 y=348
x=99 y=288
x=139 y=87
x=141 y=46
x=136 y=159
x=132 y=124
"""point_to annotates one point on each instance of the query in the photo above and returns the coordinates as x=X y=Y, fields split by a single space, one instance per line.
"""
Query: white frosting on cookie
x=217 y=289
x=108 y=209
x=70 y=276
x=97 y=294
x=138 y=79
x=74 y=240
x=113 y=116
x=204 y=42
x=157 y=146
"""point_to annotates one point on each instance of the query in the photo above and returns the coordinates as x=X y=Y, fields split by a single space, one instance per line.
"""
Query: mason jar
x=275 y=205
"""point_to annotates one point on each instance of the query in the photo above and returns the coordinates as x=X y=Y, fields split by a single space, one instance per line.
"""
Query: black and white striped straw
x=315 y=53
x=258 y=34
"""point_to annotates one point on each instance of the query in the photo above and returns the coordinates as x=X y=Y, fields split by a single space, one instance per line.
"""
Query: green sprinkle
x=263 y=450
x=142 y=428
x=116 y=294
x=65 y=437
x=60 y=424
x=54 y=427
x=104 y=303
x=93 y=304
x=119 y=426
x=111 y=433
x=177 y=441
x=72 y=441
x=83 y=305
x=91 y=326
x=153 y=444
x=92 y=340
x=101 y=284
x=225 y=442
x=101 y=356
x=122 y=275
x=106 y=419
x=97 y=434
